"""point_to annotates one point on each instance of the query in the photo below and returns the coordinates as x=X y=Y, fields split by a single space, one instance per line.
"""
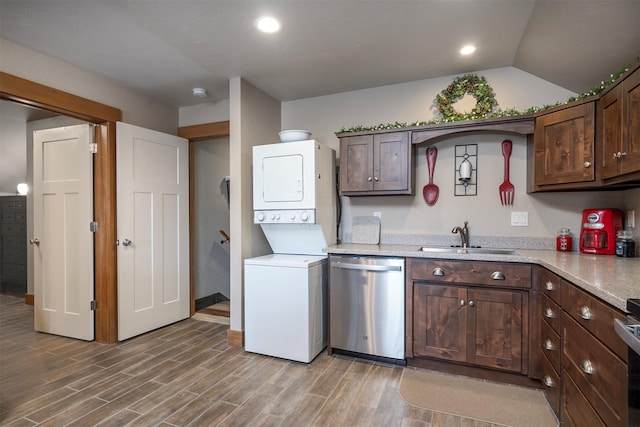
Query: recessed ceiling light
x=199 y=92
x=268 y=24
x=468 y=49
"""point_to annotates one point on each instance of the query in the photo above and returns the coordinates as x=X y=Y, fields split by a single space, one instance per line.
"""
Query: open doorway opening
x=211 y=222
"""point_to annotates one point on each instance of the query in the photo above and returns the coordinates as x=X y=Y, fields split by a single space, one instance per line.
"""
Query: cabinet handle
x=587 y=165
x=497 y=275
x=375 y=178
x=462 y=303
x=550 y=286
x=548 y=345
x=623 y=154
x=585 y=312
x=471 y=303
x=587 y=367
x=548 y=313
x=438 y=271
x=34 y=241
x=548 y=381
x=369 y=179
x=615 y=155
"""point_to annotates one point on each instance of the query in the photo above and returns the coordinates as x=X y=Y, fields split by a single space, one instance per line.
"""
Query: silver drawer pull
x=548 y=381
x=585 y=312
x=587 y=367
x=461 y=303
x=548 y=345
x=497 y=275
x=548 y=313
x=438 y=271
x=550 y=286
x=471 y=303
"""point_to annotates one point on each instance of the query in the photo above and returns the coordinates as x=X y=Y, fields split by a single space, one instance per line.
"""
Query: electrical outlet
x=519 y=219
x=631 y=219
x=378 y=214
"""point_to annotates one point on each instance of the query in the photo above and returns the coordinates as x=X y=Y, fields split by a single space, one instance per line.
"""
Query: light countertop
x=610 y=278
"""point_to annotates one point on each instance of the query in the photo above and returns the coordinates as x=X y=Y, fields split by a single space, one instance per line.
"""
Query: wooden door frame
x=33 y=94
x=195 y=134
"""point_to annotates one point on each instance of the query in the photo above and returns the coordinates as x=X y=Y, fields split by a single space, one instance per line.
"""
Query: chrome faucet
x=464 y=234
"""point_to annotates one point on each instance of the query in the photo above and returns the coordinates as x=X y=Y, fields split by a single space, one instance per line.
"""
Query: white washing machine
x=286 y=306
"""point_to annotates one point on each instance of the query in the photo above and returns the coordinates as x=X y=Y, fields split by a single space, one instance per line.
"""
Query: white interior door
x=153 y=229
x=62 y=241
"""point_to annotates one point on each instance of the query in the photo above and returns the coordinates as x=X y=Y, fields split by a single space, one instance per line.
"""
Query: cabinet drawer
x=599 y=374
x=551 y=312
x=551 y=345
x=596 y=316
x=8 y=216
x=13 y=229
x=551 y=384
x=12 y=241
x=8 y=206
x=484 y=273
x=14 y=272
x=576 y=411
x=14 y=256
x=550 y=284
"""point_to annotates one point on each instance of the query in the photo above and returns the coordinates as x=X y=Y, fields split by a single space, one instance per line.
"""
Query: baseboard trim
x=28 y=299
x=235 y=338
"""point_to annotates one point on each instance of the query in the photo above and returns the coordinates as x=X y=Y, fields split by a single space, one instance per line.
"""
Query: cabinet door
x=440 y=321
x=356 y=163
x=495 y=328
x=564 y=144
x=392 y=161
x=610 y=129
x=631 y=132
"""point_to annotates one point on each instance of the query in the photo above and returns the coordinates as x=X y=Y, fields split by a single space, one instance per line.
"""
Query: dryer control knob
x=293 y=217
x=304 y=216
x=260 y=216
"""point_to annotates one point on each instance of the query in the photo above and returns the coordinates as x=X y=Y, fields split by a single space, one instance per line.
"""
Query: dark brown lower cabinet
x=576 y=410
x=475 y=325
x=583 y=361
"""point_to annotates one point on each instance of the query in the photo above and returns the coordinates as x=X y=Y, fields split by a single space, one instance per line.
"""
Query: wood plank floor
x=186 y=375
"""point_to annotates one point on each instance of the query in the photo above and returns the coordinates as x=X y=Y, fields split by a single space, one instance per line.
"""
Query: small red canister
x=564 y=241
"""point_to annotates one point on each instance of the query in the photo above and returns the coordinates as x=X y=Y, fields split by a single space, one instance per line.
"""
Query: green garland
x=472 y=84
x=486 y=101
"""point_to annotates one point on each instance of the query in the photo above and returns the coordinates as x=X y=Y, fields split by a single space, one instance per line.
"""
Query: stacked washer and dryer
x=294 y=201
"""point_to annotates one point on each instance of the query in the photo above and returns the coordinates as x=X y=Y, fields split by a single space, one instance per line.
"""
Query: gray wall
x=136 y=109
x=410 y=215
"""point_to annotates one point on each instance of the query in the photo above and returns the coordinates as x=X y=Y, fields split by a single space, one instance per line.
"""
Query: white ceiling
x=165 y=48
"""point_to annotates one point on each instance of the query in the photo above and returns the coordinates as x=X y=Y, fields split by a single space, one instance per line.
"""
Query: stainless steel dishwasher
x=366 y=305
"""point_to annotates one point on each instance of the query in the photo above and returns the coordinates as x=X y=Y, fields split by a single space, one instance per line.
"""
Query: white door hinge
x=93 y=226
x=93 y=148
x=94 y=305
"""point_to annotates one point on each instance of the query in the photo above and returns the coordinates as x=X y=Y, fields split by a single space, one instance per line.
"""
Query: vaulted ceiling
x=165 y=48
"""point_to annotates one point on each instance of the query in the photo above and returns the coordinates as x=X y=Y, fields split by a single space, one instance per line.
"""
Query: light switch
x=519 y=219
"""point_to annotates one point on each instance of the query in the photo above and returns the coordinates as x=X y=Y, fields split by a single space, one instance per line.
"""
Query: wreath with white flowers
x=475 y=85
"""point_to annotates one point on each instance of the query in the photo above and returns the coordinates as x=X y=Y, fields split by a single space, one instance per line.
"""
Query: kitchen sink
x=454 y=250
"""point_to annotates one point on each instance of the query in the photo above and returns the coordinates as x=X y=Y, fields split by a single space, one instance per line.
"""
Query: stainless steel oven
x=629 y=331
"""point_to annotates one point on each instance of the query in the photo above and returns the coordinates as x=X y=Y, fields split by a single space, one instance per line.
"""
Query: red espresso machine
x=598 y=231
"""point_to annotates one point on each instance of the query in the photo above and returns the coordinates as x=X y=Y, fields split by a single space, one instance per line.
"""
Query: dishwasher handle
x=366 y=267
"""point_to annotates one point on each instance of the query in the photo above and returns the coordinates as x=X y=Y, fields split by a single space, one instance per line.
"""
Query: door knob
x=34 y=241
x=126 y=242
